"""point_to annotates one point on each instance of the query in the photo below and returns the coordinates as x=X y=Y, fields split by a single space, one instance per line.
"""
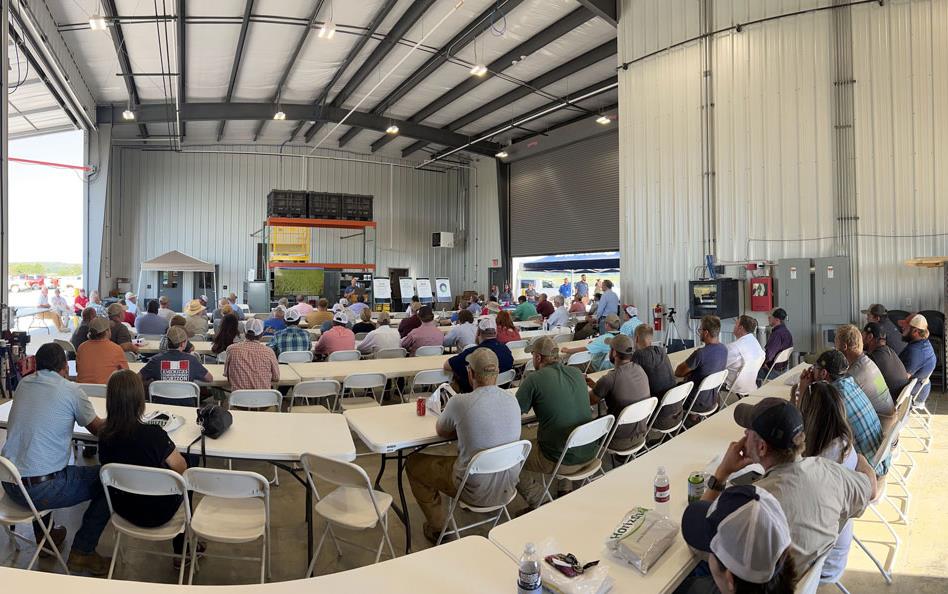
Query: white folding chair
x=220 y=357
x=361 y=335
x=630 y=415
x=584 y=434
x=673 y=397
x=809 y=582
x=429 y=351
x=517 y=344
x=362 y=382
x=490 y=461
x=67 y=346
x=13 y=514
x=504 y=378
x=235 y=509
x=430 y=378
x=712 y=383
x=295 y=357
x=746 y=380
x=259 y=400
x=922 y=416
x=173 y=392
x=315 y=389
x=781 y=358
x=93 y=390
x=898 y=451
x=352 y=505
x=562 y=337
x=345 y=356
x=143 y=480
x=580 y=360
x=397 y=353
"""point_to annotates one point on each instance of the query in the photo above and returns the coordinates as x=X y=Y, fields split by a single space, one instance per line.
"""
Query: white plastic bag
x=642 y=538
x=595 y=580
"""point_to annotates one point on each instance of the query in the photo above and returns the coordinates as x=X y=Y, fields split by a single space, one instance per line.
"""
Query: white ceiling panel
x=211 y=48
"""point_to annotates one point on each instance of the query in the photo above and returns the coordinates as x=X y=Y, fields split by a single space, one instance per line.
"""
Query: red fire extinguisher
x=657 y=317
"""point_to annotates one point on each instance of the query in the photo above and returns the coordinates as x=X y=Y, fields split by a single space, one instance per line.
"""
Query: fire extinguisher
x=657 y=314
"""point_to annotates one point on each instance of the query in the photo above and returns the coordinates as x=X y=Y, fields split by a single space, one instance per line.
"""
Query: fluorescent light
x=393 y=129
x=479 y=70
x=604 y=120
x=501 y=155
x=327 y=30
x=279 y=115
x=97 y=22
x=128 y=114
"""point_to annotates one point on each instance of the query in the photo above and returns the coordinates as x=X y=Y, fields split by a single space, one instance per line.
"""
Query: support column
x=98 y=153
x=4 y=154
x=708 y=164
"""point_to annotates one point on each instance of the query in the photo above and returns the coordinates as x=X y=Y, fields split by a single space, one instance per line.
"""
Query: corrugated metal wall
x=208 y=205
x=774 y=158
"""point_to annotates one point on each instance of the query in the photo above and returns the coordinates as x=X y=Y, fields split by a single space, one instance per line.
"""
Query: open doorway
x=551 y=274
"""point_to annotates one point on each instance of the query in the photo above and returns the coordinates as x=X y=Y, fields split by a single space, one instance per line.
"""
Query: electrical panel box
x=832 y=291
x=794 y=293
x=718 y=297
x=257 y=295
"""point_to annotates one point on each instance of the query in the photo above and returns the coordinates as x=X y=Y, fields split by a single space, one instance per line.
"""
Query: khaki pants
x=537 y=465
x=429 y=476
x=55 y=317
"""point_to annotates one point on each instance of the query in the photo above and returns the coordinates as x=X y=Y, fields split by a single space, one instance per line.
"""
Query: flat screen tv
x=298 y=281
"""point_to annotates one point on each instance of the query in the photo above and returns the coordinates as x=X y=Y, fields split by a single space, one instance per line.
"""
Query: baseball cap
x=292 y=315
x=776 y=421
x=544 y=346
x=483 y=362
x=177 y=335
x=115 y=309
x=254 y=325
x=487 y=324
x=99 y=325
x=631 y=310
x=621 y=343
x=779 y=313
x=338 y=307
x=613 y=320
x=876 y=309
x=745 y=528
x=918 y=321
x=833 y=361
x=340 y=317
x=129 y=295
x=874 y=329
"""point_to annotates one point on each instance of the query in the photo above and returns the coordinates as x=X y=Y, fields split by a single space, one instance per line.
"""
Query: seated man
x=587 y=328
x=383 y=337
x=164 y=308
x=560 y=399
x=301 y=306
x=918 y=356
x=150 y=322
x=39 y=436
x=251 y=365
x=175 y=364
x=877 y=313
x=774 y=438
x=319 y=316
x=525 y=310
x=120 y=332
x=632 y=321
x=337 y=338
x=708 y=360
x=46 y=311
x=599 y=347
x=425 y=335
x=560 y=316
x=291 y=338
x=864 y=371
x=275 y=322
x=831 y=366
x=482 y=419
x=577 y=306
x=745 y=350
x=661 y=377
x=486 y=338
x=463 y=333
x=412 y=321
x=82 y=332
x=779 y=340
x=544 y=307
x=875 y=341
x=624 y=385
x=359 y=304
x=219 y=312
x=238 y=311
x=98 y=357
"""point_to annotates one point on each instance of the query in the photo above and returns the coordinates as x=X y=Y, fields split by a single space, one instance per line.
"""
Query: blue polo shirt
x=628 y=328
x=566 y=290
x=599 y=350
x=459 y=361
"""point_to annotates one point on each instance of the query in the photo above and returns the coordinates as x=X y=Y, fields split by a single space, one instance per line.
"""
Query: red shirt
x=505 y=334
x=545 y=308
x=130 y=318
x=80 y=303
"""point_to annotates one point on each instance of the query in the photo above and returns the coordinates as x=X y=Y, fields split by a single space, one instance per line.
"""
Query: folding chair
x=67 y=346
x=13 y=514
x=898 y=450
x=746 y=378
x=398 y=353
x=584 y=434
x=259 y=400
x=429 y=351
x=235 y=509
x=922 y=416
x=352 y=505
x=781 y=358
x=362 y=382
x=809 y=582
x=630 y=415
x=173 y=392
x=491 y=461
x=315 y=389
x=295 y=357
x=505 y=378
x=672 y=397
x=562 y=337
x=711 y=383
x=93 y=390
x=345 y=356
x=361 y=335
x=517 y=344
x=430 y=378
x=143 y=480
x=580 y=360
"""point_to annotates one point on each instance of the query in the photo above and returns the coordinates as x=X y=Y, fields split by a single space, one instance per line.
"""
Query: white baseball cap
x=631 y=310
x=292 y=315
x=340 y=318
x=488 y=323
x=254 y=325
x=338 y=308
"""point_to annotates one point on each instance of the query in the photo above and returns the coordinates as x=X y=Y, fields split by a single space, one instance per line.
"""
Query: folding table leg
x=401 y=496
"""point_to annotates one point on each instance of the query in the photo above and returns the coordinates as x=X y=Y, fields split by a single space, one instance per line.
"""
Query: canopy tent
x=175 y=261
x=598 y=261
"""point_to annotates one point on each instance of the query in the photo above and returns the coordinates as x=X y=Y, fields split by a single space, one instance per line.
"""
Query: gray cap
x=544 y=346
x=483 y=362
x=621 y=343
x=177 y=335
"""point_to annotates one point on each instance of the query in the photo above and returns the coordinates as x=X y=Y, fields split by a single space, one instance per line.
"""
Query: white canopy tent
x=176 y=261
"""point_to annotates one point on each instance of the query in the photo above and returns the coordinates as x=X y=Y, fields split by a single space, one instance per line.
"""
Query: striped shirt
x=251 y=365
x=292 y=338
x=863 y=420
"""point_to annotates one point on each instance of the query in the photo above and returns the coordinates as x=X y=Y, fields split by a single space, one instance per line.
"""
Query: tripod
x=671 y=329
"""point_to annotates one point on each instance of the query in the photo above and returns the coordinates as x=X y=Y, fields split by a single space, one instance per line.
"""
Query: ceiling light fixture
x=604 y=120
x=279 y=115
x=502 y=155
x=328 y=30
x=128 y=114
x=392 y=129
x=479 y=70
x=97 y=22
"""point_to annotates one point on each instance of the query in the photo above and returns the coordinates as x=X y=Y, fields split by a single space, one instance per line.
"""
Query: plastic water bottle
x=528 y=581
x=662 y=491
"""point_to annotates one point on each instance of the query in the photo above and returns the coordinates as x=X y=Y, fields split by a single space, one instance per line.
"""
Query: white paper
x=443 y=289
x=407 y=287
x=829 y=272
x=793 y=272
x=381 y=288
x=424 y=288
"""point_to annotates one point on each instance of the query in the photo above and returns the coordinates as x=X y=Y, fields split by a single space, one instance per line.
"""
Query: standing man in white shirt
x=743 y=351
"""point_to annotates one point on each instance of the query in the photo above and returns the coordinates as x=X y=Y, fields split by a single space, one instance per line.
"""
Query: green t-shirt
x=560 y=398
x=525 y=311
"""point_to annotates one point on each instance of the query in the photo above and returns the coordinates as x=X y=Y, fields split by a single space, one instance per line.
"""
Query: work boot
x=432 y=534
x=58 y=534
x=93 y=563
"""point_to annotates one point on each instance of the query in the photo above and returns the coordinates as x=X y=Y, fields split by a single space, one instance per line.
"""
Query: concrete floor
x=920 y=565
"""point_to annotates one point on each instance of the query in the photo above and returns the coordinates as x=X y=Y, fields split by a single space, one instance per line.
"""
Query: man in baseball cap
x=291 y=338
x=598 y=347
x=918 y=356
x=774 y=438
x=121 y=335
x=337 y=338
x=251 y=365
x=98 y=356
x=175 y=364
x=779 y=340
x=622 y=386
x=876 y=343
x=632 y=321
x=746 y=533
x=486 y=338
x=880 y=315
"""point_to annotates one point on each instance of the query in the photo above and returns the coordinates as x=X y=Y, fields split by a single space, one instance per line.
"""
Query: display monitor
x=299 y=281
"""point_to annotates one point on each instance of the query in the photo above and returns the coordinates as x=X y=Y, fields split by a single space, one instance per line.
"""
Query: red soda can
x=420 y=406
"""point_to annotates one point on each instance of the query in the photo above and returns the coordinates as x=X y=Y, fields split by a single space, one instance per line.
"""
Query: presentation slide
x=381 y=288
x=298 y=281
x=407 y=287
x=443 y=288
x=424 y=290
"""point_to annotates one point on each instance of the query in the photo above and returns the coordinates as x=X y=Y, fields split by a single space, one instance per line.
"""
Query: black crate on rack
x=323 y=205
x=356 y=208
x=287 y=203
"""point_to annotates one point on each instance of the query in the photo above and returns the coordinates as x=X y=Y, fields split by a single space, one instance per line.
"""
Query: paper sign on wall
x=382 y=288
x=424 y=289
x=793 y=273
x=443 y=289
x=407 y=287
x=829 y=272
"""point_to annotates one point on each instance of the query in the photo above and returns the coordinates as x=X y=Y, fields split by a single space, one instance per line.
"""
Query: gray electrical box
x=257 y=296
x=832 y=291
x=794 y=293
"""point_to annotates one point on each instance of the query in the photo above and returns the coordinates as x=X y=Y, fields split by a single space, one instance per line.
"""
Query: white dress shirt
x=743 y=351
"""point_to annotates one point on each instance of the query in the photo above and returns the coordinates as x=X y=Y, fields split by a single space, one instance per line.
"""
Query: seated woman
x=506 y=330
x=124 y=439
x=228 y=334
x=365 y=322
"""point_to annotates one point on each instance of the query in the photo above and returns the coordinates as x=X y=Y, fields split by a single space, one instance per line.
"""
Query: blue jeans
x=76 y=485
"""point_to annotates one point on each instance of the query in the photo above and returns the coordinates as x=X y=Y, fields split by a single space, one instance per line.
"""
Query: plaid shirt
x=864 y=421
x=293 y=338
x=251 y=366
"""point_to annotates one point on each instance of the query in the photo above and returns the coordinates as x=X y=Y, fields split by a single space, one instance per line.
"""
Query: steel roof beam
x=121 y=51
x=182 y=61
x=607 y=10
x=238 y=54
